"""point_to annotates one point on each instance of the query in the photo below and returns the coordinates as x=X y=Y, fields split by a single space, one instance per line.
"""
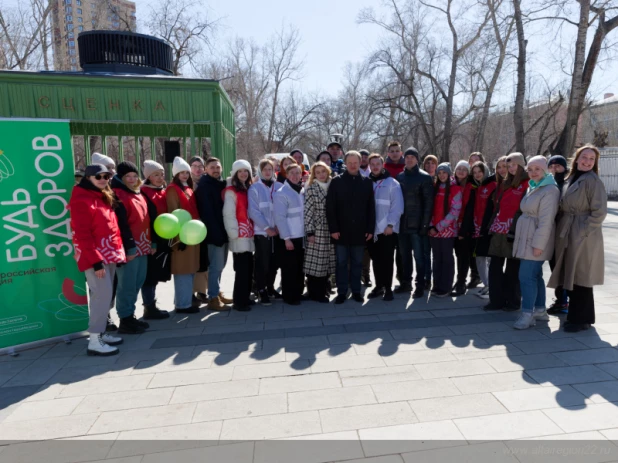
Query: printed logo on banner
x=43 y=292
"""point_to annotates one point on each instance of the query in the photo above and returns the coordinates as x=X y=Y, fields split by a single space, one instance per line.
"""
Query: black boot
x=459 y=290
x=152 y=312
x=130 y=325
x=111 y=326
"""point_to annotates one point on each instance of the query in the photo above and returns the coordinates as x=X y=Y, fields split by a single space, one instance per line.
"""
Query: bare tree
x=520 y=95
x=185 y=27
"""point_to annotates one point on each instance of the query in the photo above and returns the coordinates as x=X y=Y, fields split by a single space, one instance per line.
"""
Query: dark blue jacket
x=210 y=206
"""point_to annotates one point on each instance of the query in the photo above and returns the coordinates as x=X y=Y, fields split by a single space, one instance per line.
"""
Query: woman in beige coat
x=534 y=240
x=580 y=263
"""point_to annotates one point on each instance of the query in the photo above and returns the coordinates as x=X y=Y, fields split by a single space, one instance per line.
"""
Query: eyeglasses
x=102 y=176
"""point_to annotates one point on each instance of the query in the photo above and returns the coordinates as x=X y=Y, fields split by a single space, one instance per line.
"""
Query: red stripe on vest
x=245 y=224
x=137 y=216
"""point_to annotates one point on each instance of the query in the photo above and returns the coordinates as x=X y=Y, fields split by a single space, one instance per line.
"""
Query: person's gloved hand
x=510 y=237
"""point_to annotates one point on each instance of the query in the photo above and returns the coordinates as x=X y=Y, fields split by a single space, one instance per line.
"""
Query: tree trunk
x=518 y=113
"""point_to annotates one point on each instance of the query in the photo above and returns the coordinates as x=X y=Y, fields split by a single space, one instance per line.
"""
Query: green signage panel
x=43 y=293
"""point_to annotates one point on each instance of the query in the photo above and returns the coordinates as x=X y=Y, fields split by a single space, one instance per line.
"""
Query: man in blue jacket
x=210 y=207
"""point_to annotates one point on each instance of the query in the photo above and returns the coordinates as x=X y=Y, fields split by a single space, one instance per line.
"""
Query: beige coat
x=580 y=255
x=537 y=224
x=187 y=261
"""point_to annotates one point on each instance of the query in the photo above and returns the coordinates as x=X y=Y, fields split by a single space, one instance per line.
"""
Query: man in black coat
x=351 y=215
x=210 y=207
x=418 y=193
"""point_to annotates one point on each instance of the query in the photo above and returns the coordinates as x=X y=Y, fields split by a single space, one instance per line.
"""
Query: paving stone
x=258 y=357
x=485 y=351
x=215 y=391
x=454 y=369
x=366 y=416
x=323 y=352
x=330 y=398
x=569 y=375
x=513 y=336
x=474 y=328
x=379 y=375
x=418 y=357
x=491 y=451
x=603 y=340
x=10 y=369
x=38 y=372
x=359 y=338
x=411 y=390
x=539 y=398
x=240 y=407
x=291 y=342
x=589 y=356
x=73 y=450
x=601 y=392
x=447 y=408
x=272 y=426
x=141 y=418
x=229 y=347
x=421 y=332
x=236 y=453
x=387 y=348
x=106 y=385
x=589 y=418
x=549 y=346
x=525 y=362
x=516 y=425
x=47 y=428
x=44 y=409
x=183 y=378
x=494 y=382
x=125 y=400
x=299 y=383
x=347 y=363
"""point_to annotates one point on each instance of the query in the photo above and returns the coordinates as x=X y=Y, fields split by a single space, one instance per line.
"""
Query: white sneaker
x=525 y=321
x=96 y=346
x=111 y=340
x=541 y=315
x=483 y=293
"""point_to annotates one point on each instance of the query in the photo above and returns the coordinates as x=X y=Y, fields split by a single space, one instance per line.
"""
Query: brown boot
x=224 y=299
x=216 y=304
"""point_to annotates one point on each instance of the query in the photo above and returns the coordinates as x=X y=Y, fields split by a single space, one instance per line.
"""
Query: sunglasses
x=102 y=176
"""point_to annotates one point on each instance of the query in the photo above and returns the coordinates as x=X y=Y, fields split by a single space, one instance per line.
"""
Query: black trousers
x=504 y=290
x=443 y=264
x=382 y=254
x=581 y=305
x=243 y=268
x=292 y=276
x=366 y=265
x=464 y=250
x=265 y=262
x=317 y=287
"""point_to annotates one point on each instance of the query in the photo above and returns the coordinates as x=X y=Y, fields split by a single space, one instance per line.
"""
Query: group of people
x=324 y=226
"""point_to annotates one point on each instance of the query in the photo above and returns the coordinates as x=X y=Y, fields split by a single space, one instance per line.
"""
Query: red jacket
x=96 y=236
x=133 y=219
x=446 y=222
x=508 y=204
x=187 y=200
x=157 y=196
x=481 y=201
x=394 y=168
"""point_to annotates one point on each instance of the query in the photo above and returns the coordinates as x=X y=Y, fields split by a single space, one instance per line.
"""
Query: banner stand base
x=14 y=351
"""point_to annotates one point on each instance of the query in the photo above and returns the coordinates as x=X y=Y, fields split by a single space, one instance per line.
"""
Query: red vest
x=137 y=216
x=509 y=205
x=439 y=213
x=245 y=224
x=157 y=196
x=187 y=200
x=483 y=195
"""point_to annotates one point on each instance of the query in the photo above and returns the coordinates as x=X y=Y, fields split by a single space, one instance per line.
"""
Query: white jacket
x=231 y=224
x=261 y=209
x=289 y=212
x=389 y=204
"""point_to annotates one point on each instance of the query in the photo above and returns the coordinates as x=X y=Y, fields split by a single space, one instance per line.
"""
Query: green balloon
x=182 y=216
x=167 y=226
x=193 y=232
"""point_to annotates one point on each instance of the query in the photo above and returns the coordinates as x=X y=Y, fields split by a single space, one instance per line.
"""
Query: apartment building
x=70 y=17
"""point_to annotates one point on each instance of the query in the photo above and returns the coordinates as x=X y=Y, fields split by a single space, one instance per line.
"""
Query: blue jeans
x=532 y=285
x=149 y=294
x=183 y=290
x=409 y=243
x=217 y=255
x=131 y=277
x=349 y=276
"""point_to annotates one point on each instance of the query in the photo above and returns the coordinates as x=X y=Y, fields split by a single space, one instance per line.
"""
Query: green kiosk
x=124 y=103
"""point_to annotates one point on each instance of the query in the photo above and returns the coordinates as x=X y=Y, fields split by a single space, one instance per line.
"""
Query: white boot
x=97 y=346
x=111 y=340
x=540 y=314
x=525 y=321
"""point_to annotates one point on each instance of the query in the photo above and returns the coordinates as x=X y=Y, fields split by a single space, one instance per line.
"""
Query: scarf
x=376 y=178
x=323 y=185
x=295 y=187
x=268 y=183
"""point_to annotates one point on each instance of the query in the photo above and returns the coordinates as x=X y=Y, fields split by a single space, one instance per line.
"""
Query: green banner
x=42 y=293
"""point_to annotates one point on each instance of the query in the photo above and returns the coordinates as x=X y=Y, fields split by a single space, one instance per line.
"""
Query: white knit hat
x=150 y=167
x=240 y=164
x=180 y=165
x=98 y=158
x=463 y=163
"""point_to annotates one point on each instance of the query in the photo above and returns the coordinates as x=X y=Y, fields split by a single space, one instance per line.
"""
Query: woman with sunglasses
x=98 y=249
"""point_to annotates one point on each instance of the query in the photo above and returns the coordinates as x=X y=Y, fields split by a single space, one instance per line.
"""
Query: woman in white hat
x=239 y=228
x=185 y=258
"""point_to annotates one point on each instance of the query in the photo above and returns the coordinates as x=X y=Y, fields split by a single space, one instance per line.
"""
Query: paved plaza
x=422 y=380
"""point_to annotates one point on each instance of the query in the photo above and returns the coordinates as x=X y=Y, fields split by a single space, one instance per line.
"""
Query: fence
x=608 y=169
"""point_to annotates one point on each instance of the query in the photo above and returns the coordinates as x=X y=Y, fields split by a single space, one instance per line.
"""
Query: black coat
x=350 y=209
x=482 y=243
x=418 y=194
x=159 y=263
x=210 y=206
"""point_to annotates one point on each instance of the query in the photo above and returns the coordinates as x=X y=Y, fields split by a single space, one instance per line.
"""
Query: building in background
x=70 y=17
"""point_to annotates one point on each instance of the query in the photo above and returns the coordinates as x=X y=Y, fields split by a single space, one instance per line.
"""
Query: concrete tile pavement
x=410 y=380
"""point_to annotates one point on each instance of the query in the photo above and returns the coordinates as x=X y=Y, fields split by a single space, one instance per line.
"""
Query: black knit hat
x=412 y=151
x=364 y=153
x=557 y=159
x=325 y=152
x=95 y=169
x=126 y=167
